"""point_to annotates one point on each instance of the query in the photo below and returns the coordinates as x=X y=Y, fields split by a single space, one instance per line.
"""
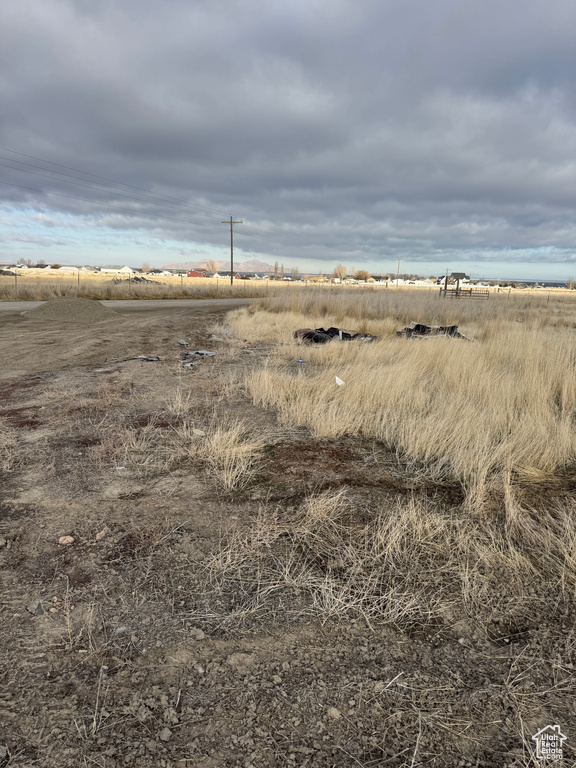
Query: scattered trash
x=189 y=359
x=148 y=358
x=165 y=734
x=323 y=336
x=182 y=342
x=216 y=338
x=105 y=370
x=197 y=353
x=419 y=331
x=66 y=541
x=38 y=607
x=339 y=382
x=300 y=360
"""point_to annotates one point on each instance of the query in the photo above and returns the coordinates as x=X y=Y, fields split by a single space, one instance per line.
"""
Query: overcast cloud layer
x=442 y=133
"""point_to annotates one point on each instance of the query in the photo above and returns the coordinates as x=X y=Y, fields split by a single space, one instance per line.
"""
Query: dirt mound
x=84 y=311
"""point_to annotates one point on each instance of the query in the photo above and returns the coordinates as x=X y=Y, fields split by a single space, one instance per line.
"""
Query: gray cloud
x=337 y=130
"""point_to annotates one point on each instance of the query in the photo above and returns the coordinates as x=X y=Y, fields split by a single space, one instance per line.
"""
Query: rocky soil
x=125 y=640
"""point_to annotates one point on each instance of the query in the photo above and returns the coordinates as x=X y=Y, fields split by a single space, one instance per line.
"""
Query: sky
x=337 y=131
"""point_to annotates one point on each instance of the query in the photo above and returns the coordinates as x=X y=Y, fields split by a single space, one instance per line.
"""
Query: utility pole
x=232 y=247
x=398 y=271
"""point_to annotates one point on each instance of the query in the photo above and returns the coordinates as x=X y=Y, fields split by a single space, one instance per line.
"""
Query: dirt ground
x=118 y=650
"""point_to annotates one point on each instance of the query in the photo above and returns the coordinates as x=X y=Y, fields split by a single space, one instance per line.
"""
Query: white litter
x=339 y=382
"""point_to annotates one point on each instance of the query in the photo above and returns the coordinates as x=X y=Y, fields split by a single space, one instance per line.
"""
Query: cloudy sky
x=356 y=131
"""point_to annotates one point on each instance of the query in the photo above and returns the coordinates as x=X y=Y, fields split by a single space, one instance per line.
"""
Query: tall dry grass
x=501 y=406
x=104 y=288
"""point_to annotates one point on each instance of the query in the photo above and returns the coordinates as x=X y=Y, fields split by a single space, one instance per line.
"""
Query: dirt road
x=195 y=305
x=30 y=344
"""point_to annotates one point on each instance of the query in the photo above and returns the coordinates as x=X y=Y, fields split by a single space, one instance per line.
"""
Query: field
x=268 y=569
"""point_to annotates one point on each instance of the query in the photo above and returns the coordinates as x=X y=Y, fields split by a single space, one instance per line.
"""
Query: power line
x=232 y=247
x=87 y=200
x=111 y=183
x=103 y=178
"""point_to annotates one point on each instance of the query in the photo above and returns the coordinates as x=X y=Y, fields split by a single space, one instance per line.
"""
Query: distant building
x=117 y=270
x=196 y=273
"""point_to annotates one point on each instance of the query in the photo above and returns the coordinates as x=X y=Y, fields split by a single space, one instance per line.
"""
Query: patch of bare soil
x=190 y=622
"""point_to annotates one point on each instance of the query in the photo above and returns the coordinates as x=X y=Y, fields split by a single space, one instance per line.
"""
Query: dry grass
x=43 y=288
x=503 y=406
x=412 y=564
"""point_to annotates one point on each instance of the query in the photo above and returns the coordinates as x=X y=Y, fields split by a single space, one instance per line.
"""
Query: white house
x=117 y=270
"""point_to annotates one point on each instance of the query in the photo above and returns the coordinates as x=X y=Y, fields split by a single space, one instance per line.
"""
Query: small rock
x=3 y=753
x=148 y=358
x=215 y=338
x=3 y=541
x=277 y=679
x=66 y=541
x=334 y=713
x=197 y=633
x=102 y=533
x=198 y=432
x=165 y=734
x=38 y=607
x=182 y=342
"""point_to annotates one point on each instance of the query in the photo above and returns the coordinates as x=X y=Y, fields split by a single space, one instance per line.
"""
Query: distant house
x=117 y=270
x=196 y=273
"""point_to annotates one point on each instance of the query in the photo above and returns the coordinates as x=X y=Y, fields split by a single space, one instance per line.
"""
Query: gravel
x=85 y=311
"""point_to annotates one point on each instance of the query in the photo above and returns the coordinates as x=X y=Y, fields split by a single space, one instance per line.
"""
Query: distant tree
x=41 y=263
x=275 y=270
x=295 y=273
x=212 y=266
x=282 y=272
x=55 y=266
x=339 y=271
x=570 y=284
x=145 y=267
x=361 y=274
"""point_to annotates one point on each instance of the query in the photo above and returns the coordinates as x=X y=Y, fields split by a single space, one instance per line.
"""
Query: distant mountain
x=244 y=266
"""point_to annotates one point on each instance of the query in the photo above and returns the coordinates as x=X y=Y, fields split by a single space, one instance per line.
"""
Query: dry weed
x=230 y=453
x=412 y=565
x=8 y=447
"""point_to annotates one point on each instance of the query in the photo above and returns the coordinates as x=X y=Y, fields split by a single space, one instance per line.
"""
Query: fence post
x=16 y=283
